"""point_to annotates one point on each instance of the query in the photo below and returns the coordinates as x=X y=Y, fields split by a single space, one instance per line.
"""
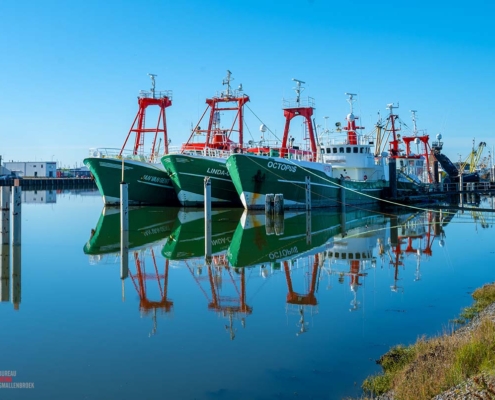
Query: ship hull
x=147 y=226
x=187 y=238
x=256 y=176
x=188 y=173
x=148 y=183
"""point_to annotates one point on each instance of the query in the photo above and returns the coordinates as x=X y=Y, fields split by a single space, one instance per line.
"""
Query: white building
x=39 y=196
x=30 y=169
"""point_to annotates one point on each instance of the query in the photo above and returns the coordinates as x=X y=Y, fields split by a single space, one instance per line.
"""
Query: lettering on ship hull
x=275 y=255
x=281 y=166
x=154 y=179
x=215 y=171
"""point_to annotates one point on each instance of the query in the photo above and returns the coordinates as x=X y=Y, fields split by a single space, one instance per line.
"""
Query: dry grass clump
x=432 y=366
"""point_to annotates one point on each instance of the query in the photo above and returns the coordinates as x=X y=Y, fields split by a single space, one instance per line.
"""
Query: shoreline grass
x=431 y=366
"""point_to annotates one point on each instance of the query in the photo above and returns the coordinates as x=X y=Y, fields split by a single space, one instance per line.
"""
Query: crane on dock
x=473 y=159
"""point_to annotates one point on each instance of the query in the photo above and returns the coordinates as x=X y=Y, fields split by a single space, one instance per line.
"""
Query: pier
x=49 y=183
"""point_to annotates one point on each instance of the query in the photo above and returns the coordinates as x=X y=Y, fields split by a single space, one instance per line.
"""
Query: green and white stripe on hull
x=188 y=173
x=256 y=176
x=148 y=183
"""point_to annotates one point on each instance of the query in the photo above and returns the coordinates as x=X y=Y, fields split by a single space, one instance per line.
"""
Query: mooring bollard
x=392 y=170
x=269 y=203
x=207 y=205
x=308 y=227
x=16 y=275
x=269 y=224
x=5 y=210
x=278 y=224
x=278 y=203
x=342 y=195
x=4 y=272
x=308 y=192
x=124 y=231
x=5 y=243
x=16 y=215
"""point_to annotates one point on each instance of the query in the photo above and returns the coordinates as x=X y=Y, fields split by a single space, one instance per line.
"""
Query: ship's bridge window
x=329 y=150
x=335 y=149
x=341 y=150
x=361 y=150
x=344 y=256
x=347 y=149
x=350 y=256
x=337 y=254
x=358 y=256
x=355 y=150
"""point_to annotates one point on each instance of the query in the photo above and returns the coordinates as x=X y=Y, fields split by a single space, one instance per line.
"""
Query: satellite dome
x=350 y=117
x=263 y=128
x=439 y=136
x=416 y=140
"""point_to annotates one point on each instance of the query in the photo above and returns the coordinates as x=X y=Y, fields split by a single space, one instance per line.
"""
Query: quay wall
x=50 y=183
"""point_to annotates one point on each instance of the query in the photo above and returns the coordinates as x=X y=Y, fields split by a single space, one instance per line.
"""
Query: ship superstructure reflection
x=412 y=236
x=223 y=286
x=149 y=228
x=354 y=252
x=141 y=281
x=250 y=248
x=227 y=291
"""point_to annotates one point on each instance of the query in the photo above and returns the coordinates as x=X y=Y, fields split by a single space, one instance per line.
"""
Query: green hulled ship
x=187 y=239
x=188 y=172
x=206 y=151
x=147 y=225
x=148 y=182
x=264 y=238
x=328 y=172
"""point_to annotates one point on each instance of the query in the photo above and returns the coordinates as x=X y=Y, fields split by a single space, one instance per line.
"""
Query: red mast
x=215 y=136
x=304 y=111
x=162 y=99
x=351 y=122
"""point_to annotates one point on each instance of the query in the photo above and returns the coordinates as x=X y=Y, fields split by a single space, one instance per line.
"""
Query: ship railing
x=217 y=153
x=298 y=154
x=106 y=152
x=231 y=95
x=144 y=94
x=341 y=138
x=294 y=103
x=262 y=143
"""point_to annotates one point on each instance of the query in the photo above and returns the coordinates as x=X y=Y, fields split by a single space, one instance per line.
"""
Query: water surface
x=293 y=307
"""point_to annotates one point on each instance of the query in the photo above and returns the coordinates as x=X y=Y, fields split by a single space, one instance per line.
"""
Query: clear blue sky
x=71 y=70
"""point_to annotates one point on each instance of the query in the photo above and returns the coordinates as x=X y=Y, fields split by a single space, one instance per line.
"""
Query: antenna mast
x=413 y=117
x=298 y=90
x=227 y=81
x=351 y=100
x=152 y=76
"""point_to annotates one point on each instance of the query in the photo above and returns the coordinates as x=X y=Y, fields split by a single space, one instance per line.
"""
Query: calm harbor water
x=279 y=313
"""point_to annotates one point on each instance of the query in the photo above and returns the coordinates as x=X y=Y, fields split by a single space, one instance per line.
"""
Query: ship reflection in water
x=298 y=303
x=308 y=249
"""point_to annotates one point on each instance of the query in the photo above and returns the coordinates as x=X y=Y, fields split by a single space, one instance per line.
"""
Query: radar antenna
x=152 y=76
x=298 y=90
x=413 y=117
x=227 y=81
x=351 y=100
